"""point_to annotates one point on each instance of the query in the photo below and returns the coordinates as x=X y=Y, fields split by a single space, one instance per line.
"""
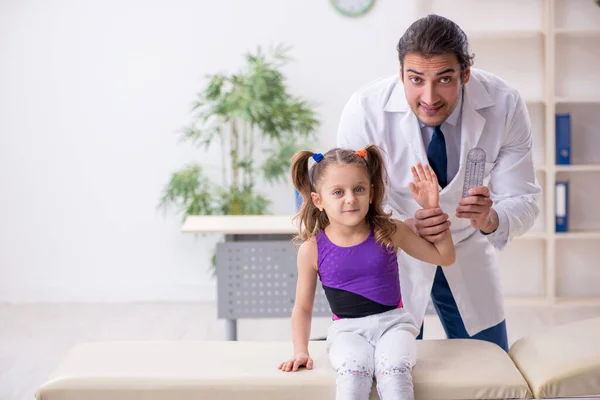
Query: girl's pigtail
x=307 y=215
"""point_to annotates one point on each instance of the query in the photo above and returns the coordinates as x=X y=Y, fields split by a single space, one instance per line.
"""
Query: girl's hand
x=299 y=360
x=425 y=186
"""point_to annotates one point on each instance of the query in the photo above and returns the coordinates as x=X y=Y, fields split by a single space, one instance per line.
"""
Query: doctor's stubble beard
x=448 y=113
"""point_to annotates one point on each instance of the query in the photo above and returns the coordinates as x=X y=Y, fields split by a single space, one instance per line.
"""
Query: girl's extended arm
x=441 y=253
x=302 y=312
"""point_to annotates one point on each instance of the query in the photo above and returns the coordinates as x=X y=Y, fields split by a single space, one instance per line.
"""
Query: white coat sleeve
x=513 y=184
x=356 y=130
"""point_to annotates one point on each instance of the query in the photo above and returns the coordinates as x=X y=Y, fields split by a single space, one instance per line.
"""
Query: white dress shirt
x=451 y=130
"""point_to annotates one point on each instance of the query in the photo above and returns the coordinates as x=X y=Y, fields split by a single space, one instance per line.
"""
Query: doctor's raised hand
x=477 y=207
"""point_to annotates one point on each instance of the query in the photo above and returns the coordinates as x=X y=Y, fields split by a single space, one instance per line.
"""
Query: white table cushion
x=562 y=361
x=446 y=369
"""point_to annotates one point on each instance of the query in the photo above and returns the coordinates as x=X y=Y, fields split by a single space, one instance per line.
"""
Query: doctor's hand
x=478 y=208
x=431 y=224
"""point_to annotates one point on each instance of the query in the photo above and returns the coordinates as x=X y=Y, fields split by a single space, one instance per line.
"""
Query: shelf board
x=578 y=235
x=533 y=235
x=534 y=100
x=577 y=168
x=501 y=34
x=561 y=235
x=526 y=301
x=542 y=301
x=578 y=32
x=577 y=301
x=578 y=100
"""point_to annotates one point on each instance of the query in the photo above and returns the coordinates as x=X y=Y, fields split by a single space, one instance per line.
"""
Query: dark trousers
x=447 y=310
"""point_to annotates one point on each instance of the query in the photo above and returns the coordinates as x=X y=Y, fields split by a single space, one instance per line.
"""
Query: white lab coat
x=495 y=118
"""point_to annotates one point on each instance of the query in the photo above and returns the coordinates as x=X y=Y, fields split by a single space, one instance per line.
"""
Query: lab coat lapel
x=408 y=124
x=475 y=98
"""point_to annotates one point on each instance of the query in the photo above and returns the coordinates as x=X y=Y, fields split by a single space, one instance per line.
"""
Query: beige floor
x=33 y=338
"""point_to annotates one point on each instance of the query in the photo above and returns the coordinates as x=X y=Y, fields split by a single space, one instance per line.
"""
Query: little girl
x=351 y=244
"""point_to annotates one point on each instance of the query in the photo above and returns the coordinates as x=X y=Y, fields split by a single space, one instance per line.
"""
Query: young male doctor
x=435 y=111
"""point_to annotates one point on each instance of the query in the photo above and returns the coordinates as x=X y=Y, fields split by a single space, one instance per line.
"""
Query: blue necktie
x=436 y=154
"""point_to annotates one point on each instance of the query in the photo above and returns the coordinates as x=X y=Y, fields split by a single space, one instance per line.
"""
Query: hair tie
x=317 y=157
x=362 y=153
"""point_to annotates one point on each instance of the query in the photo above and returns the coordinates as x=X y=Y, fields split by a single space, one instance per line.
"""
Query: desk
x=255 y=267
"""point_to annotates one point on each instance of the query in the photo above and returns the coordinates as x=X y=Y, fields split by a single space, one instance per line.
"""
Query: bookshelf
x=548 y=49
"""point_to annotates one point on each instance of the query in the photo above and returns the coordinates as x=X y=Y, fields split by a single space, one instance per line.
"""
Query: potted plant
x=251 y=117
x=259 y=125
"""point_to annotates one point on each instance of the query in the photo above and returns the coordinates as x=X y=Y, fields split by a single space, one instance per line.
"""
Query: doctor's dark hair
x=306 y=181
x=435 y=35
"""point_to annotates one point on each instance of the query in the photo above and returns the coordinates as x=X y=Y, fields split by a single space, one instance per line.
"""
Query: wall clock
x=353 y=8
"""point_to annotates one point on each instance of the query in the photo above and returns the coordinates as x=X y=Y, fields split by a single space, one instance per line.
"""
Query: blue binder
x=562 y=206
x=563 y=139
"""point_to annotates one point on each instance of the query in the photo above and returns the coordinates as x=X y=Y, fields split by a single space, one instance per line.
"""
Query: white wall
x=93 y=92
x=91 y=96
